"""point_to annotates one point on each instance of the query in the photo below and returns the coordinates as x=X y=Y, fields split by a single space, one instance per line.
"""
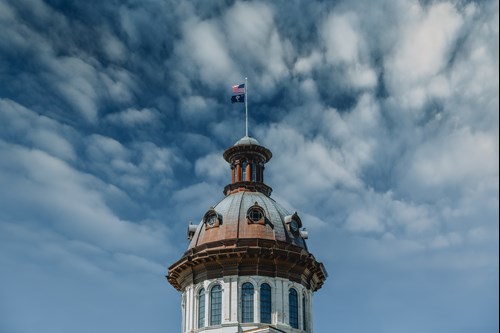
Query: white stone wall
x=231 y=305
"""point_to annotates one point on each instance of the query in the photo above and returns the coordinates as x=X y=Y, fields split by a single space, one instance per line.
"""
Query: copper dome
x=234 y=222
x=247 y=232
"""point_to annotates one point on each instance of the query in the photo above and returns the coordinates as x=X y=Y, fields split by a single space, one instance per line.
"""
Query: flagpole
x=246 y=107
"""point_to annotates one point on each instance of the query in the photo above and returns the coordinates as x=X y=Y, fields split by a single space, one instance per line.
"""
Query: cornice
x=232 y=152
x=249 y=186
x=247 y=257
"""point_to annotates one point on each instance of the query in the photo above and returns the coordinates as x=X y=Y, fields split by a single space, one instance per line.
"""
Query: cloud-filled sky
x=383 y=119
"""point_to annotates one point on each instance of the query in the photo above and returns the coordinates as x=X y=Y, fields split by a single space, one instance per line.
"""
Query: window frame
x=247 y=302
x=293 y=308
x=251 y=218
x=201 y=322
x=267 y=302
x=244 y=171
x=304 y=312
x=218 y=308
x=253 y=170
x=212 y=214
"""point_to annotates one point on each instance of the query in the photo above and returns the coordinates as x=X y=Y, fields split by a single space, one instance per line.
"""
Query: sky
x=383 y=120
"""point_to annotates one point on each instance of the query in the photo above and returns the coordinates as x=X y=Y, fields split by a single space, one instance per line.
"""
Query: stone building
x=247 y=267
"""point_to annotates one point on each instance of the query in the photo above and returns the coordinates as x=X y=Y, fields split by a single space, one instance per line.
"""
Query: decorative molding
x=247 y=257
x=232 y=153
x=247 y=186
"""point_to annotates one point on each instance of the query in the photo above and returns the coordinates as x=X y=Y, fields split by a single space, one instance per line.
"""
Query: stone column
x=238 y=172
x=234 y=299
x=279 y=302
x=226 y=313
x=249 y=172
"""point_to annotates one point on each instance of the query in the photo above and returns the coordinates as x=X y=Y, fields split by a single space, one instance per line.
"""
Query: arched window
x=215 y=305
x=201 y=308
x=244 y=171
x=247 y=303
x=304 y=313
x=293 y=308
x=265 y=303
x=254 y=172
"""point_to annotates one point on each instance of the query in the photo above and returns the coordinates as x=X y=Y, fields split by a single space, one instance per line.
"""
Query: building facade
x=247 y=267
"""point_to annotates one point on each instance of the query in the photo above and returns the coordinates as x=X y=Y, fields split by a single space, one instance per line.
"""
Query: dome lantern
x=247 y=159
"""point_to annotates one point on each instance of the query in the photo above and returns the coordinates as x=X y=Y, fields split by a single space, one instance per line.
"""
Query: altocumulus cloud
x=382 y=117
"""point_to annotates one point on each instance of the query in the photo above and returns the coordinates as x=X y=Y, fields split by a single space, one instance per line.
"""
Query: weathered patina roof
x=234 y=223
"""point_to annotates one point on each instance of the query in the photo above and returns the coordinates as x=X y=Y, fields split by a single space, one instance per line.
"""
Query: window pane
x=201 y=308
x=244 y=171
x=265 y=303
x=247 y=303
x=254 y=172
x=255 y=215
x=304 y=314
x=216 y=305
x=293 y=307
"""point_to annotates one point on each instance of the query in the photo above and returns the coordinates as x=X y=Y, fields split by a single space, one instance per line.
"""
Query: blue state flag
x=238 y=98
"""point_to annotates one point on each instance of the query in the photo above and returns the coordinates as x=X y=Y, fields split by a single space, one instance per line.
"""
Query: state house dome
x=249 y=215
x=247 y=267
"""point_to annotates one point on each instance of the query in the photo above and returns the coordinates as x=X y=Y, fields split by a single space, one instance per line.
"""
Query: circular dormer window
x=294 y=223
x=212 y=219
x=255 y=214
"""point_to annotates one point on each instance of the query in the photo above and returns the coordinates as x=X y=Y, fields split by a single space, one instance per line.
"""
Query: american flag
x=239 y=89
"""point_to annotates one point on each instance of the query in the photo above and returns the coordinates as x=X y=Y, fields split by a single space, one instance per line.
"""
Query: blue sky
x=382 y=117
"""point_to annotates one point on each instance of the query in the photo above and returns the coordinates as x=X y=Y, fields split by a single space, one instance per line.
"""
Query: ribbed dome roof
x=234 y=224
x=247 y=233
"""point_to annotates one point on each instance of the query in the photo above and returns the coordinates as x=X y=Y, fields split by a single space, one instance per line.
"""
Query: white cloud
x=416 y=220
x=194 y=200
x=444 y=241
x=311 y=222
x=214 y=168
x=253 y=37
x=325 y=167
x=422 y=51
x=382 y=117
x=53 y=143
x=84 y=84
x=101 y=148
x=119 y=85
x=69 y=201
x=77 y=81
x=132 y=117
x=137 y=168
x=204 y=44
x=345 y=46
x=364 y=221
x=36 y=130
x=113 y=47
x=304 y=65
x=156 y=159
x=197 y=109
x=451 y=161
x=341 y=38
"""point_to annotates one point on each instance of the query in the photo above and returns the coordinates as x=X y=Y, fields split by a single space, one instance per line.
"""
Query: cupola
x=247 y=159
